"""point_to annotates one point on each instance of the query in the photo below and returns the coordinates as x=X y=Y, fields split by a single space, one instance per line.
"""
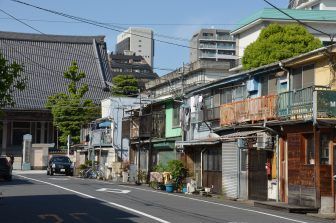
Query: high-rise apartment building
x=214 y=45
x=312 y=4
x=137 y=40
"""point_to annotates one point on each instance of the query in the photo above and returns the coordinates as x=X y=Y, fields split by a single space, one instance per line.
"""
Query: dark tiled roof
x=46 y=57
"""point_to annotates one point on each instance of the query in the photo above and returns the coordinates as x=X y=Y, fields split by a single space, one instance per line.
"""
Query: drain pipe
x=203 y=150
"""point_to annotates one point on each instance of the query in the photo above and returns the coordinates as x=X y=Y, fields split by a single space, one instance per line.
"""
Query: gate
x=257 y=176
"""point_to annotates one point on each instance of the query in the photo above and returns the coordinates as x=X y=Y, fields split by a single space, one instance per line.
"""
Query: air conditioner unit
x=264 y=141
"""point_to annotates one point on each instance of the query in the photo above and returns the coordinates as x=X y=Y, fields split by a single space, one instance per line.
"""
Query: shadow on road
x=15 y=181
x=60 y=208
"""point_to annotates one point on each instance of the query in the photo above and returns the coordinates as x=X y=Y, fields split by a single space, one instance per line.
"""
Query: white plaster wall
x=328 y=5
x=247 y=37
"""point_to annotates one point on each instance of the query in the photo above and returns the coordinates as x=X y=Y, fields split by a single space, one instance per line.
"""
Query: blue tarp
x=105 y=124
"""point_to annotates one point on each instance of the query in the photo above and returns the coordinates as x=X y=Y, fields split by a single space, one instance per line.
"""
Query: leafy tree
x=277 y=42
x=124 y=85
x=70 y=110
x=11 y=79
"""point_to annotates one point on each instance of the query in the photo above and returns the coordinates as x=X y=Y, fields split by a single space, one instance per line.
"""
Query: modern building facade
x=131 y=64
x=137 y=40
x=312 y=4
x=213 y=44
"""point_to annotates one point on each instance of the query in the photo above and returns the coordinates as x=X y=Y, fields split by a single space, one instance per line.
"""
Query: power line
x=128 y=24
x=99 y=24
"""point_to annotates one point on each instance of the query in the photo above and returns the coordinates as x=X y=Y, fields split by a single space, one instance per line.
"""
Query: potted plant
x=178 y=174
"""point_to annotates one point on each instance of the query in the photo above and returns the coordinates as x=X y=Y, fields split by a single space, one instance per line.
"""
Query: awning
x=199 y=142
x=164 y=145
x=105 y=124
x=242 y=134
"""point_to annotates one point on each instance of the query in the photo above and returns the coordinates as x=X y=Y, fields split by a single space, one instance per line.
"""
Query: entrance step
x=281 y=206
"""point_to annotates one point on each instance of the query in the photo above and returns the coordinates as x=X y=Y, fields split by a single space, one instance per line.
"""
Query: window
x=324 y=149
x=240 y=93
x=226 y=96
x=302 y=77
x=176 y=116
x=309 y=148
x=264 y=85
x=139 y=45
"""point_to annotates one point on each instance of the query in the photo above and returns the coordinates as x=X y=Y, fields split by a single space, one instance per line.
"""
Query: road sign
x=110 y=190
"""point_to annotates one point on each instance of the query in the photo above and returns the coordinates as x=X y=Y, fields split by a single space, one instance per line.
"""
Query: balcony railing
x=102 y=137
x=299 y=104
x=145 y=126
x=208 y=46
x=249 y=110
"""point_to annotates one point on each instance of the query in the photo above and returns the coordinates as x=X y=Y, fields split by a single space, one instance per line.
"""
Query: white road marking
x=59 y=179
x=92 y=197
x=110 y=190
x=215 y=203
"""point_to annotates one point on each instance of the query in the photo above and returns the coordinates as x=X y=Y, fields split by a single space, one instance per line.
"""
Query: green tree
x=70 y=110
x=124 y=85
x=277 y=42
x=12 y=79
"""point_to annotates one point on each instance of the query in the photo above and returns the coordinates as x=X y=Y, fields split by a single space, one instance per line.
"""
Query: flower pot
x=184 y=190
x=169 y=188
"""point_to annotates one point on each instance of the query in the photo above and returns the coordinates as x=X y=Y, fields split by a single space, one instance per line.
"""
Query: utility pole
x=139 y=147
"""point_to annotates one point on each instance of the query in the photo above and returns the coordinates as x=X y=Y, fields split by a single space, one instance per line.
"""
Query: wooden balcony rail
x=249 y=110
x=159 y=125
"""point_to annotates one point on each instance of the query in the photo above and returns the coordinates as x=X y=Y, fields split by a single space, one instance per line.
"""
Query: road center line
x=215 y=203
x=92 y=197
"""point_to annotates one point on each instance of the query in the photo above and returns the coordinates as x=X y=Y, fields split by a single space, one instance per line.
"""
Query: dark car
x=5 y=168
x=60 y=164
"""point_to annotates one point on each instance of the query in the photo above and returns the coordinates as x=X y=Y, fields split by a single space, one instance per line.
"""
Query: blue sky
x=173 y=18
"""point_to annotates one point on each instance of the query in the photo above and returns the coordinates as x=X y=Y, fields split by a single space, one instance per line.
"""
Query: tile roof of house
x=274 y=14
x=46 y=57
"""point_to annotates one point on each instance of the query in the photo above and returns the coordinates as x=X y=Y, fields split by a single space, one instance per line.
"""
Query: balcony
x=159 y=125
x=299 y=104
x=207 y=46
x=102 y=137
x=249 y=110
x=145 y=125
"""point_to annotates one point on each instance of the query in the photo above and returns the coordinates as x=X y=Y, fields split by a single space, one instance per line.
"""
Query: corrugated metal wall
x=230 y=169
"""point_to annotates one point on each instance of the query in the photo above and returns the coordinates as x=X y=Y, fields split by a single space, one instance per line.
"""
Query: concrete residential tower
x=312 y=4
x=214 y=45
x=139 y=41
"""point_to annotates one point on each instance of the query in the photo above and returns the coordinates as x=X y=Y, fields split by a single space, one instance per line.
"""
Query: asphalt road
x=42 y=198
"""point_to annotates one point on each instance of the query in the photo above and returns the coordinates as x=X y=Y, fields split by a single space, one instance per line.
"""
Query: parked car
x=61 y=165
x=5 y=168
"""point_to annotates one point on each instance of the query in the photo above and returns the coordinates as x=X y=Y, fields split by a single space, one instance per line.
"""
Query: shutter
x=230 y=169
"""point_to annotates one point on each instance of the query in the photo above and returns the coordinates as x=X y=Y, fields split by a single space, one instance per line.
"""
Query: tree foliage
x=277 y=42
x=124 y=85
x=70 y=110
x=11 y=79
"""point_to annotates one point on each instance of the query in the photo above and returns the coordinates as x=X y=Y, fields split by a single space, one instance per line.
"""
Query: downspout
x=203 y=150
